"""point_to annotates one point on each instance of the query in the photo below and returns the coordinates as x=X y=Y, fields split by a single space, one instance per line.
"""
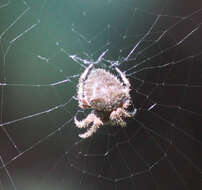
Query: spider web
x=46 y=45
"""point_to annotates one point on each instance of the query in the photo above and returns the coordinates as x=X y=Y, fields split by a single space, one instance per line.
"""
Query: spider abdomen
x=103 y=90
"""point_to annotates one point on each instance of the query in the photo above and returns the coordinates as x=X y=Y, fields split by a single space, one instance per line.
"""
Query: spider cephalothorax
x=106 y=95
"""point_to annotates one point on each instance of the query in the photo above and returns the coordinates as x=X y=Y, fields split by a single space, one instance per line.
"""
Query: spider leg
x=120 y=113
x=127 y=103
x=96 y=124
x=125 y=113
x=116 y=117
x=85 y=73
x=82 y=79
x=133 y=112
x=85 y=122
x=123 y=77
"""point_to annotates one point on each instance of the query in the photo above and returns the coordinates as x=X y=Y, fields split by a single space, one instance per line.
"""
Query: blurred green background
x=40 y=147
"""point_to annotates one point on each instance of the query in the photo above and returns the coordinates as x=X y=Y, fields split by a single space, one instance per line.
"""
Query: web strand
x=43 y=50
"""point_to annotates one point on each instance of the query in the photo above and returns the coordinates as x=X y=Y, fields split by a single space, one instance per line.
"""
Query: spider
x=106 y=95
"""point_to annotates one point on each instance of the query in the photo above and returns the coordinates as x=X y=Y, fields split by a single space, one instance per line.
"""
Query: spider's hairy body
x=106 y=95
x=103 y=91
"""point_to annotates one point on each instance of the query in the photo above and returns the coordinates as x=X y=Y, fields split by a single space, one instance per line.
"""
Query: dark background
x=45 y=46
